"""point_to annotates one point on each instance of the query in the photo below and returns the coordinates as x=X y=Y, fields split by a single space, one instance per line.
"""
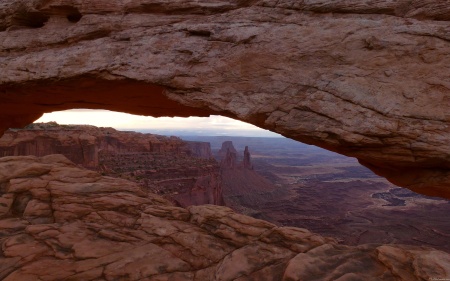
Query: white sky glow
x=215 y=125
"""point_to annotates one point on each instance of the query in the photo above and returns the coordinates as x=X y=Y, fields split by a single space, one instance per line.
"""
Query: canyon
x=183 y=172
x=367 y=79
x=294 y=184
x=287 y=184
x=62 y=222
x=178 y=170
x=290 y=184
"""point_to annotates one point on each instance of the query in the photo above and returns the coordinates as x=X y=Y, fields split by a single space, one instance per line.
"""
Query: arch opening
x=282 y=181
x=24 y=103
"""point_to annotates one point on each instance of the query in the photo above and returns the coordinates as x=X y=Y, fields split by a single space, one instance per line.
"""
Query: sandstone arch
x=362 y=78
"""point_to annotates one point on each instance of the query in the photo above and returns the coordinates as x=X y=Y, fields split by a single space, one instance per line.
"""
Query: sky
x=205 y=126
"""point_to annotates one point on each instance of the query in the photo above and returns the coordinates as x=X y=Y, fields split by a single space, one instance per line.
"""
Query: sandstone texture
x=181 y=171
x=368 y=79
x=61 y=222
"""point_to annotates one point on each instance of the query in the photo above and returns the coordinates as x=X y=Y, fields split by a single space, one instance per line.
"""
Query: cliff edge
x=181 y=171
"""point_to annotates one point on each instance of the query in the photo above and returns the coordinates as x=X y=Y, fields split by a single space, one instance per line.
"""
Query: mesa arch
x=367 y=79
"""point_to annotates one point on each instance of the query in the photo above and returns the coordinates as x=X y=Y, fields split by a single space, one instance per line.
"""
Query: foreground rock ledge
x=368 y=79
x=60 y=222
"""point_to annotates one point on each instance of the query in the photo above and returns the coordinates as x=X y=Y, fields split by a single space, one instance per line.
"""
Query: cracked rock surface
x=61 y=222
x=368 y=79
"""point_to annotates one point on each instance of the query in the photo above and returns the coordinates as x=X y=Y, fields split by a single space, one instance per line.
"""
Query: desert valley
x=330 y=194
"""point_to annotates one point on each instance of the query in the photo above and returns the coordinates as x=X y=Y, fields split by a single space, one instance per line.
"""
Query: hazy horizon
x=199 y=126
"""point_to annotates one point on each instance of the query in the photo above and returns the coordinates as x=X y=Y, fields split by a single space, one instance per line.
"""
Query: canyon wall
x=181 y=171
x=82 y=144
x=367 y=79
x=199 y=149
x=61 y=222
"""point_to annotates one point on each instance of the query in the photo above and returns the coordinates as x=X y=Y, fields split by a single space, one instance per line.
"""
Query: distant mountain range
x=209 y=132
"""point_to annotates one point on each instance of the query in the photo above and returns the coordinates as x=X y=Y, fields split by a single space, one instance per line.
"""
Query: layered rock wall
x=82 y=144
x=368 y=79
x=181 y=171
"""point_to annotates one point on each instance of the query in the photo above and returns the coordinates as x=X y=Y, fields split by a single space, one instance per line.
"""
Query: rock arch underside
x=367 y=79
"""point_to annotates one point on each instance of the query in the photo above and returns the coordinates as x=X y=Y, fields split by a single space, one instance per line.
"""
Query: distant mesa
x=227 y=146
x=228 y=156
x=199 y=149
x=83 y=144
x=184 y=172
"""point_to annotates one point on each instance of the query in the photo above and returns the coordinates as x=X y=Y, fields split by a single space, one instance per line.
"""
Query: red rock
x=227 y=147
x=182 y=171
x=243 y=188
x=247 y=162
x=229 y=161
x=199 y=149
x=126 y=233
x=366 y=79
x=85 y=144
x=229 y=155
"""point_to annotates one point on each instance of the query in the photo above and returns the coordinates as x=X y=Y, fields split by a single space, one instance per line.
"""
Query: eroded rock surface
x=181 y=171
x=61 y=222
x=368 y=79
